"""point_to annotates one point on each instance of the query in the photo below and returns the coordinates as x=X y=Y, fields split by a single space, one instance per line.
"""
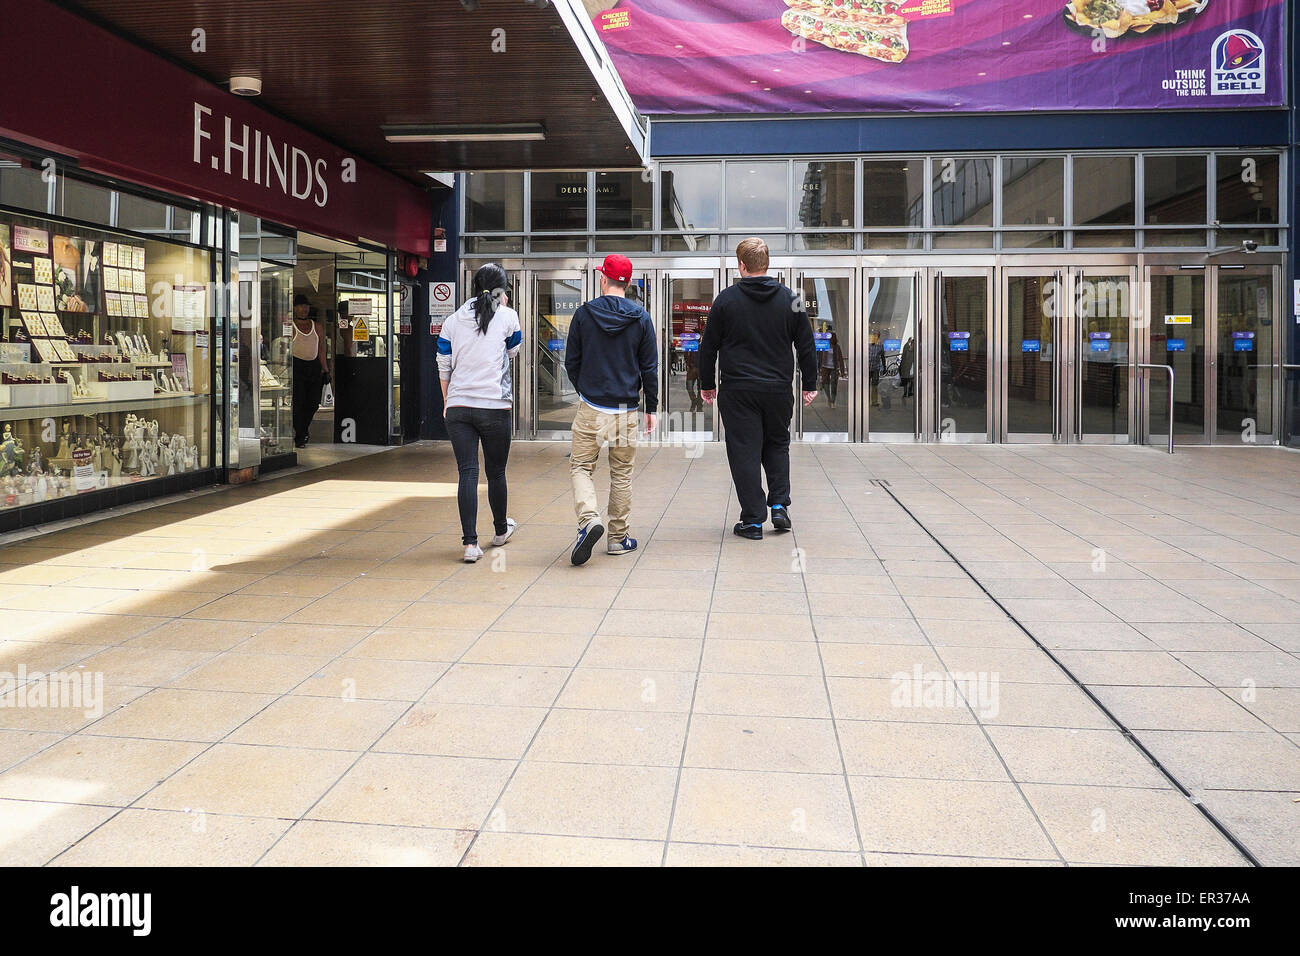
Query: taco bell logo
x=1237 y=61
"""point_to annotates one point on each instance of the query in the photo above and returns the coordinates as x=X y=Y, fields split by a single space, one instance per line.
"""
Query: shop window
x=1175 y=190
x=22 y=187
x=1032 y=239
x=814 y=241
x=1104 y=191
x=84 y=201
x=1033 y=191
x=140 y=214
x=105 y=360
x=963 y=191
x=963 y=240
x=756 y=195
x=893 y=240
x=775 y=242
x=624 y=201
x=893 y=193
x=1177 y=238
x=559 y=202
x=689 y=196
x=557 y=244
x=823 y=195
x=1235 y=237
x=494 y=202
x=491 y=246
x=608 y=244
x=1104 y=239
x=690 y=243
x=1247 y=188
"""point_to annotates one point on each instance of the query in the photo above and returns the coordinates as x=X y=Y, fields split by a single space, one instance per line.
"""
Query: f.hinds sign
x=257 y=158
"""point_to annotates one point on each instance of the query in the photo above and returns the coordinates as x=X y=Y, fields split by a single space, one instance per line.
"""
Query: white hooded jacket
x=476 y=366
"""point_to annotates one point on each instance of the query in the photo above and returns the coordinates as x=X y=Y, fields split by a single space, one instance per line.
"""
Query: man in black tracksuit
x=753 y=329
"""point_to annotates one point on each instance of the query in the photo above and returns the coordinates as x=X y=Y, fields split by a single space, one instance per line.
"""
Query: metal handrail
x=1170 y=370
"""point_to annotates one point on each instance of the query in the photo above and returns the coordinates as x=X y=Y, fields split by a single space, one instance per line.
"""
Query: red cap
x=617 y=268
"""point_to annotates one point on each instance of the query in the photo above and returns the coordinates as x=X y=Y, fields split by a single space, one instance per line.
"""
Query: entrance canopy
x=414 y=86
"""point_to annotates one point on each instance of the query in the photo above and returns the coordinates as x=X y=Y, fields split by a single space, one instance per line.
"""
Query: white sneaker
x=472 y=553
x=499 y=539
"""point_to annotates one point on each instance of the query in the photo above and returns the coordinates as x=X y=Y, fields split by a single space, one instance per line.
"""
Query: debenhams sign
x=254 y=157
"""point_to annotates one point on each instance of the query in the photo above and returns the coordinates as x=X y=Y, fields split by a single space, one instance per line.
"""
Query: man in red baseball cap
x=612 y=359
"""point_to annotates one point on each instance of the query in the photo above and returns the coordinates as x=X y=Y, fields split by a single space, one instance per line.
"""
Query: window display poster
x=188 y=303
x=27 y=239
x=181 y=371
x=6 y=274
x=76 y=274
x=819 y=56
x=83 y=470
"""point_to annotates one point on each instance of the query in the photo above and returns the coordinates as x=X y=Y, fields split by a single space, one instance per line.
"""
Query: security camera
x=1249 y=246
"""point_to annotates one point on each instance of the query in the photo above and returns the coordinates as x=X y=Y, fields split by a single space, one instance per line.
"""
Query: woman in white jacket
x=475 y=347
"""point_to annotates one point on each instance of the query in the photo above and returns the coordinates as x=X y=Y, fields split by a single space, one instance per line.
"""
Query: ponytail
x=489 y=285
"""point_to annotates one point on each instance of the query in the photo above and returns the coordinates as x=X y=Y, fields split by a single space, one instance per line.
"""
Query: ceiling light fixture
x=466 y=133
x=246 y=85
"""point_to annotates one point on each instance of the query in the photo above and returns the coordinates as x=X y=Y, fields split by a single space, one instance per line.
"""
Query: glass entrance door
x=1244 y=362
x=961 y=355
x=828 y=299
x=688 y=295
x=890 y=365
x=554 y=299
x=1176 y=315
x=1066 y=373
x=1037 y=356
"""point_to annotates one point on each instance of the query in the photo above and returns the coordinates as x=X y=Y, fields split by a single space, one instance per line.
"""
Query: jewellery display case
x=105 y=361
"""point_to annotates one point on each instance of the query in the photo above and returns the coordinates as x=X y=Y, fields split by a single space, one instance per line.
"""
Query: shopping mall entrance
x=971 y=349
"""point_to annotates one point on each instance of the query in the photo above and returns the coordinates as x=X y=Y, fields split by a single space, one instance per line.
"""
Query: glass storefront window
x=1247 y=188
x=690 y=195
x=823 y=195
x=1175 y=190
x=1033 y=191
x=1104 y=190
x=963 y=191
x=494 y=202
x=756 y=195
x=84 y=201
x=559 y=202
x=105 y=360
x=893 y=193
x=690 y=243
x=140 y=214
x=624 y=201
x=22 y=187
x=557 y=244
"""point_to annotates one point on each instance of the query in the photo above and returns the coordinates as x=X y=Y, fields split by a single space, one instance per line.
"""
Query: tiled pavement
x=300 y=671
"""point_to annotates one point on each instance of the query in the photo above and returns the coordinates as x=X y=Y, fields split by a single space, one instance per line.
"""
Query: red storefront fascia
x=79 y=91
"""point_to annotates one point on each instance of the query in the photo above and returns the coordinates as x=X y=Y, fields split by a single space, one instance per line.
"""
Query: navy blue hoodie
x=611 y=355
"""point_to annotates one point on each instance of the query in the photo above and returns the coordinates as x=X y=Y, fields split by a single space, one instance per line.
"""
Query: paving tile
x=108 y=771
x=779 y=810
x=323 y=723
x=592 y=800
x=1264 y=821
x=610 y=736
x=1127 y=826
x=703 y=854
x=415 y=790
x=34 y=832
x=529 y=849
x=175 y=714
x=505 y=684
x=175 y=838
x=954 y=817
x=1227 y=761
x=323 y=843
x=768 y=695
x=897 y=749
x=787 y=744
x=1102 y=758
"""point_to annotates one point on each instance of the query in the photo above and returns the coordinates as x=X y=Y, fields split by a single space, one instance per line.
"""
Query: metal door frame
x=1062 y=353
x=666 y=275
x=855 y=399
x=1277 y=381
x=921 y=315
x=532 y=277
x=932 y=429
x=1143 y=392
x=1076 y=327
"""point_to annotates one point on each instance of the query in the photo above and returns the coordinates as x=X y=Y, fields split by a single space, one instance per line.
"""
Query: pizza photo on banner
x=810 y=56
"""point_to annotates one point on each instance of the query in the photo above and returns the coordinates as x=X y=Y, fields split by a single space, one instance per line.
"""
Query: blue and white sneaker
x=626 y=546
x=781 y=518
x=588 y=535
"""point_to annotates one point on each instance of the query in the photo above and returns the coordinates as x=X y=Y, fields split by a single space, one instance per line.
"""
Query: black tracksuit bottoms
x=757 y=426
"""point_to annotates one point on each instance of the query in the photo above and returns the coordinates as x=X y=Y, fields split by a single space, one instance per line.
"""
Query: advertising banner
x=811 y=56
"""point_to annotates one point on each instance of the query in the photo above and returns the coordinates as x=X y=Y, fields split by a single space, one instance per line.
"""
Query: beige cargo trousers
x=591 y=431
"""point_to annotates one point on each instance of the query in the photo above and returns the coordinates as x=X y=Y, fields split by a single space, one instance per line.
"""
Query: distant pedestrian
x=311 y=371
x=612 y=360
x=753 y=330
x=907 y=367
x=475 y=347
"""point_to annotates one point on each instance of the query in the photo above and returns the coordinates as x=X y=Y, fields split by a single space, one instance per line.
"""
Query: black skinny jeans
x=467 y=427
x=308 y=383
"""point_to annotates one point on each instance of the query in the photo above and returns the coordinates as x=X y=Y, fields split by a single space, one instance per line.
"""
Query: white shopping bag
x=327 y=396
